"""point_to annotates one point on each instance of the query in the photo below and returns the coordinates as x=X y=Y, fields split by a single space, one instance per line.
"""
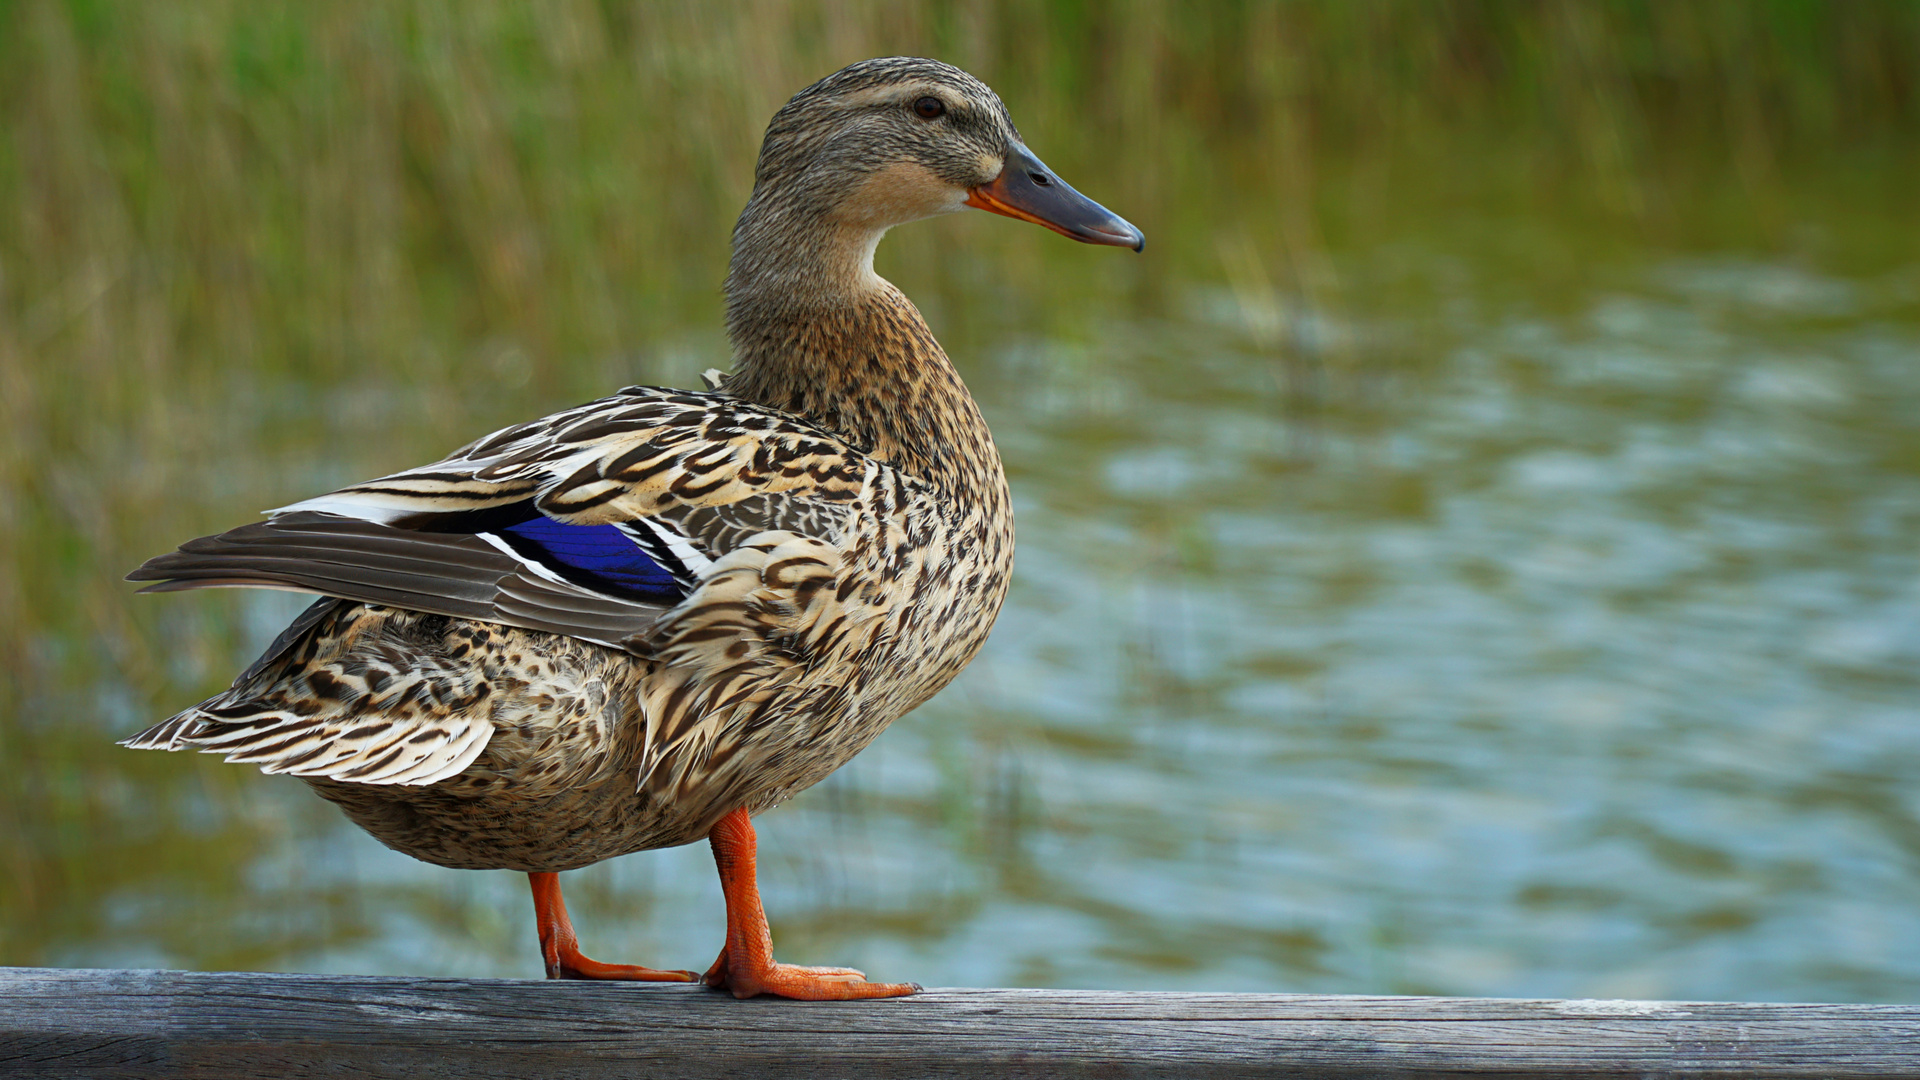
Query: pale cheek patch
x=989 y=168
x=898 y=194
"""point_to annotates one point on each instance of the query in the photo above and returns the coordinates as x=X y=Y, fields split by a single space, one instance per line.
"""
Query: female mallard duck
x=638 y=622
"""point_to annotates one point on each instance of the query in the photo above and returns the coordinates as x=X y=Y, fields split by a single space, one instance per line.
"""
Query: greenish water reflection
x=1442 y=579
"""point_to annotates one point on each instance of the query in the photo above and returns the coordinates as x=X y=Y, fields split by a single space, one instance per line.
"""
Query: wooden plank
x=158 y=1024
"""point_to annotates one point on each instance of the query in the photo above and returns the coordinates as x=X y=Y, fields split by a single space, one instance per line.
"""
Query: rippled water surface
x=1479 y=598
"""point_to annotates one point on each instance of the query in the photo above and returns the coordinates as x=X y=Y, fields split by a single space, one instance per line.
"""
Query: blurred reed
x=230 y=229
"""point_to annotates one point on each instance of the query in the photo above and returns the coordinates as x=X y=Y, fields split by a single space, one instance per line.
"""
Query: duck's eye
x=930 y=108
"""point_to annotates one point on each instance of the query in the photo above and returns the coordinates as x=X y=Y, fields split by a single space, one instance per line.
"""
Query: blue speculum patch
x=599 y=557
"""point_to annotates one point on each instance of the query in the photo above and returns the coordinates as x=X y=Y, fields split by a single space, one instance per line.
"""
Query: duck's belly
x=447 y=827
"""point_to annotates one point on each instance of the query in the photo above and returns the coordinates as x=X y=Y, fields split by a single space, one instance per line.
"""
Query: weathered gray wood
x=158 y=1024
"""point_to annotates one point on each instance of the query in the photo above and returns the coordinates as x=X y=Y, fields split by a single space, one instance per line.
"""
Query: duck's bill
x=1028 y=190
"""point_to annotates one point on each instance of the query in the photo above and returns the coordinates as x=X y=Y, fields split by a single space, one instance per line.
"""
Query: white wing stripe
x=690 y=557
x=534 y=565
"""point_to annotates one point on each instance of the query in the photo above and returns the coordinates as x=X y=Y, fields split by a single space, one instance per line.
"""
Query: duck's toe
x=806 y=983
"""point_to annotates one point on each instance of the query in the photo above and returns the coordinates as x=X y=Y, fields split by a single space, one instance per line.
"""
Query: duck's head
x=888 y=141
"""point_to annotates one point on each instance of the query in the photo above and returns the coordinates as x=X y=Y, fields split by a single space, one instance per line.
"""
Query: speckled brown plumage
x=634 y=623
x=800 y=645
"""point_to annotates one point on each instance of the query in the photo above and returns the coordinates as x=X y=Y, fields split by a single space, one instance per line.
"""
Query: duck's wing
x=597 y=523
x=591 y=522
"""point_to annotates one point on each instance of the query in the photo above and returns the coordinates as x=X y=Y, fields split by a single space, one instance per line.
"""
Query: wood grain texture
x=163 y=1024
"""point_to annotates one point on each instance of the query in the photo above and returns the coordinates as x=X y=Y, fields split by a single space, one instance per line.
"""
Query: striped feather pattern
x=340 y=703
x=637 y=454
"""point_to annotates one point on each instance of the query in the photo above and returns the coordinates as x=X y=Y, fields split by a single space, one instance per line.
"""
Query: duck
x=645 y=620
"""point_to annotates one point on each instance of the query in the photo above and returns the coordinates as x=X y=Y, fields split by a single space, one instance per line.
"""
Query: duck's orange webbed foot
x=803 y=983
x=746 y=966
x=560 y=947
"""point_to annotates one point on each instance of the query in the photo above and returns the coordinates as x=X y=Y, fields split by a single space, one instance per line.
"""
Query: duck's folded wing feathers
x=591 y=522
x=638 y=454
x=442 y=573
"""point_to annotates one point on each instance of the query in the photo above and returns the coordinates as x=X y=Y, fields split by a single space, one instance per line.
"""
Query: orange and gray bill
x=1028 y=190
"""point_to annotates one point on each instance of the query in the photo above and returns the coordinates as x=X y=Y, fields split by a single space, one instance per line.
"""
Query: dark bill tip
x=1029 y=191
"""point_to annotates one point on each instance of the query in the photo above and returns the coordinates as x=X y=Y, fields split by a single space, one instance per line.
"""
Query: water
x=1463 y=596
x=1576 y=660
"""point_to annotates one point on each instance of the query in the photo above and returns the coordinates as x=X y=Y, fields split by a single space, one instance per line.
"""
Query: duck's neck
x=816 y=333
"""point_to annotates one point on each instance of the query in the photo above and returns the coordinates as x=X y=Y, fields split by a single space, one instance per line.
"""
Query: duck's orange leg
x=560 y=947
x=746 y=965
